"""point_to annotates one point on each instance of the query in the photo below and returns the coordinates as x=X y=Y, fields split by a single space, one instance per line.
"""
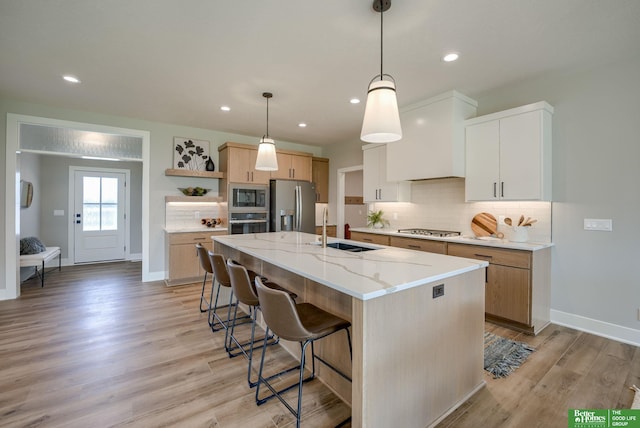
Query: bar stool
x=303 y=323
x=205 y=263
x=221 y=276
x=244 y=291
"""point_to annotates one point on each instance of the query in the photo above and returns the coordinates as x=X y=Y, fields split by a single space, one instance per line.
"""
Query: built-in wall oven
x=248 y=206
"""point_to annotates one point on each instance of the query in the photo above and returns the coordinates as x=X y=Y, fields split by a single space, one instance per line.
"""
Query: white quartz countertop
x=487 y=242
x=194 y=229
x=363 y=275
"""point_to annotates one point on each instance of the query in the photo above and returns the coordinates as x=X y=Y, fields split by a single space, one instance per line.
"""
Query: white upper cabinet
x=508 y=155
x=375 y=186
x=432 y=144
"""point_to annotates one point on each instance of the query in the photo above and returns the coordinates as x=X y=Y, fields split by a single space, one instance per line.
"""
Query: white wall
x=596 y=152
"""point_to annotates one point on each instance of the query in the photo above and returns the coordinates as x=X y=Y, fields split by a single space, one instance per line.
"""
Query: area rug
x=502 y=356
x=636 y=397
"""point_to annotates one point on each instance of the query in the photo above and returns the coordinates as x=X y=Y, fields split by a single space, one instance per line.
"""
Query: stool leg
x=204 y=284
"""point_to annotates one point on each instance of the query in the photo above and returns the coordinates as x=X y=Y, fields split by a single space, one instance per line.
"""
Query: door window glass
x=100 y=203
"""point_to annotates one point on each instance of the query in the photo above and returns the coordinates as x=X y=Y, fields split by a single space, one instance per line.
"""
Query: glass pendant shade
x=381 y=122
x=267 y=159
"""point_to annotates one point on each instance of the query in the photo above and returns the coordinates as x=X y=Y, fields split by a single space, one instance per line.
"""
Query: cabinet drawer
x=497 y=256
x=191 y=237
x=439 y=247
x=372 y=238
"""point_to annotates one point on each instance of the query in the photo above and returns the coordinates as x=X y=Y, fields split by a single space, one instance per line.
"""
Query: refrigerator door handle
x=298 y=213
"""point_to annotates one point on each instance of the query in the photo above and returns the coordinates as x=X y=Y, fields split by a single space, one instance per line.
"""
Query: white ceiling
x=179 y=61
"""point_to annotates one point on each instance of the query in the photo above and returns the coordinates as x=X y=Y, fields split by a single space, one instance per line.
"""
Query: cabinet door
x=388 y=191
x=507 y=293
x=482 y=161
x=284 y=167
x=301 y=167
x=429 y=246
x=237 y=165
x=320 y=176
x=521 y=156
x=372 y=238
x=371 y=173
x=256 y=177
x=183 y=262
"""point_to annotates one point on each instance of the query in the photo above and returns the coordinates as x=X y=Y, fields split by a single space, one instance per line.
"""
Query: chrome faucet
x=325 y=217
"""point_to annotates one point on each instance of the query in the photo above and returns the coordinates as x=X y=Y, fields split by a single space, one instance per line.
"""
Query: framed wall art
x=190 y=154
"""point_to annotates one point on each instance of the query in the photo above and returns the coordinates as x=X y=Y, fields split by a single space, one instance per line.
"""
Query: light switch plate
x=598 y=224
x=58 y=213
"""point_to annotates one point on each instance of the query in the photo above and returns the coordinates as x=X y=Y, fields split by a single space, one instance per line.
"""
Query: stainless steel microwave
x=254 y=196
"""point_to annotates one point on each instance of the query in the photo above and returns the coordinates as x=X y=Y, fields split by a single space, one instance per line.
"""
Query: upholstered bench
x=40 y=259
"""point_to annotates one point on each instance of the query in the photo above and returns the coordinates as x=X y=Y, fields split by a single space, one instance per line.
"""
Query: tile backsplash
x=188 y=214
x=439 y=204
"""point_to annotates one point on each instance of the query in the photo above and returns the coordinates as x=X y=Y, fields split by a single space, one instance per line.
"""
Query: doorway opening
x=345 y=186
x=12 y=210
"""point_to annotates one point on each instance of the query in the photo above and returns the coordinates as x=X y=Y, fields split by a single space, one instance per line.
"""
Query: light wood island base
x=415 y=358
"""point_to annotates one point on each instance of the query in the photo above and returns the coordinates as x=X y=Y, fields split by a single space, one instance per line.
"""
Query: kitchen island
x=417 y=352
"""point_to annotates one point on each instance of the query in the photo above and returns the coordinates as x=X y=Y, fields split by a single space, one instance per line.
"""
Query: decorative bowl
x=193 y=191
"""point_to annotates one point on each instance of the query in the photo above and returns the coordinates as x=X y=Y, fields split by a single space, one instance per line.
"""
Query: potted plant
x=375 y=219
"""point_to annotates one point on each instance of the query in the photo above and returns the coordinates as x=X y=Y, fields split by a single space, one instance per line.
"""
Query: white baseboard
x=135 y=257
x=155 y=276
x=599 y=328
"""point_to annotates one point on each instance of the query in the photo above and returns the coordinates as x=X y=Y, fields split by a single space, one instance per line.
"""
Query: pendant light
x=267 y=159
x=381 y=122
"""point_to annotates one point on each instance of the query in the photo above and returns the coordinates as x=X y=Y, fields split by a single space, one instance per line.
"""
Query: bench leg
x=42 y=276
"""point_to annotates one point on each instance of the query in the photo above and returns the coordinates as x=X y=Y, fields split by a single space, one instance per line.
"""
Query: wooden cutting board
x=484 y=224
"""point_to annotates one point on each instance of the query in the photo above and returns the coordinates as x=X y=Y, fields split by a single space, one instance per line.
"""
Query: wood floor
x=98 y=348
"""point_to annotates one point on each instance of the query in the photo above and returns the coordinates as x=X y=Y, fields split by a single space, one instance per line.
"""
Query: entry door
x=99 y=223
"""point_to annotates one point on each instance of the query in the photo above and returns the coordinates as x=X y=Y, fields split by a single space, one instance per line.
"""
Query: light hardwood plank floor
x=96 y=347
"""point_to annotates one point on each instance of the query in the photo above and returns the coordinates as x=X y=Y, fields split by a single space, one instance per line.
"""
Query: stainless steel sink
x=349 y=247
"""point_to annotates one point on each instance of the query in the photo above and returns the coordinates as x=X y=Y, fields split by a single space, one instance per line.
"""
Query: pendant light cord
x=267 y=117
x=381 y=37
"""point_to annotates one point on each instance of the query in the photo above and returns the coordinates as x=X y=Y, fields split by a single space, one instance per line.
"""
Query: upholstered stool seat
x=302 y=322
x=244 y=291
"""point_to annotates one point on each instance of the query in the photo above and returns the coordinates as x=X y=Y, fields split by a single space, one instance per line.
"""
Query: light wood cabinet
x=320 y=176
x=432 y=144
x=331 y=230
x=375 y=186
x=372 y=238
x=183 y=260
x=439 y=247
x=293 y=166
x=517 y=290
x=238 y=162
x=508 y=155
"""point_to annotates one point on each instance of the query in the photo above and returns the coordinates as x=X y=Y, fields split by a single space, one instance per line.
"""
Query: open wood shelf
x=192 y=199
x=353 y=200
x=191 y=173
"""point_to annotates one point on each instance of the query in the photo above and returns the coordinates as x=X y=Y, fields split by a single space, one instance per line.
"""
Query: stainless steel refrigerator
x=292 y=206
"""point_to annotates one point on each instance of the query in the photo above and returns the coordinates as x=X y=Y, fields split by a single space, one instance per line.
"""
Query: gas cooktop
x=429 y=232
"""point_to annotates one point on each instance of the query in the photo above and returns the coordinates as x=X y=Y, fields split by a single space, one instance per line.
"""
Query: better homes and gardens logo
x=603 y=418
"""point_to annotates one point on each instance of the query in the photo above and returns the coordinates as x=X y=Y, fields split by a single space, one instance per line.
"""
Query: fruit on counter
x=211 y=222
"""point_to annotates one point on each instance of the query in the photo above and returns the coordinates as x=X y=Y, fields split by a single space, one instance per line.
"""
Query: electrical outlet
x=196 y=214
x=438 y=291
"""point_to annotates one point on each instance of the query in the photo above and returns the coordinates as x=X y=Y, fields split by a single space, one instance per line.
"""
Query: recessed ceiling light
x=302 y=125
x=450 y=57
x=71 y=79
x=354 y=101
x=225 y=108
